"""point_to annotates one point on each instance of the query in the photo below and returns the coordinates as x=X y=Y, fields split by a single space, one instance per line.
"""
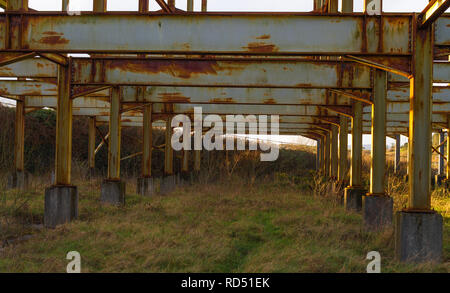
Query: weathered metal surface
x=147 y=144
x=334 y=155
x=327 y=154
x=356 y=157
x=441 y=167
x=442 y=31
x=343 y=149
x=255 y=33
x=19 y=137
x=114 y=137
x=232 y=73
x=63 y=156
x=420 y=121
x=27 y=88
x=378 y=151
x=31 y=67
x=432 y=11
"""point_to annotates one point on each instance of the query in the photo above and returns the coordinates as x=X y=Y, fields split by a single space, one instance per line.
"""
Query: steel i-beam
x=114 y=136
x=343 y=150
x=168 y=151
x=378 y=162
x=19 y=138
x=327 y=154
x=147 y=145
x=334 y=152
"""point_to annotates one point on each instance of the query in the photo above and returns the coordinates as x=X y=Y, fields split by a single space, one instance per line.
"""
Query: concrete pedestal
x=61 y=205
x=146 y=186
x=113 y=192
x=353 y=198
x=17 y=180
x=418 y=237
x=168 y=184
x=377 y=212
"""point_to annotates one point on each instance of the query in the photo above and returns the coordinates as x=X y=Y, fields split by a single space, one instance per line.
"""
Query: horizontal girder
x=211 y=33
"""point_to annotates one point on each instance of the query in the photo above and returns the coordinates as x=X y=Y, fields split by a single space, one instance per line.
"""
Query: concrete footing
x=61 y=205
x=17 y=180
x=353 y=198
x=113 y=192
x=377 y=212
x=168 y=184
x=146 y=186
x=418 y=237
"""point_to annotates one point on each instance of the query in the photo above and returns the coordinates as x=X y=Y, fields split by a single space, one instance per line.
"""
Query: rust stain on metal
x=270 y=102
x=181 y=68
x=174 y=98
x=263 y=37
x=222 y=100
x=259 y=47
x=53 y=38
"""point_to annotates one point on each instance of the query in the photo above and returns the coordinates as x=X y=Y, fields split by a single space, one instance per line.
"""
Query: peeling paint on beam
x=247 y=33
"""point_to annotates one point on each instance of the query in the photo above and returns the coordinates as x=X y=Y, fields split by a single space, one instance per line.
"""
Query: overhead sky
x=230 y=5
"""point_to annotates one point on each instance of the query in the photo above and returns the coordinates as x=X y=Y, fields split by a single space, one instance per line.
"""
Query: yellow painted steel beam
x=378 y=160
x=334 y=155
x=420 y=121
x=114 y=136
x=356 y=158
x=432 y=11
x=343 y=150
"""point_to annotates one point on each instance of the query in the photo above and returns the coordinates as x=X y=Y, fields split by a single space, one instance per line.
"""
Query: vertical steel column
x=168 y=151
x=397 y=154
x=114 y=135
x=204 y=5
x=197 y=160
x=99 y=5
x=65 y=5
x=343 y=150
x=420 y=121
x=143 y=5
x=334 y=152
x=356 y=162
x=442 y=151
x=91 y=144
x=16 y=5
x=147 y=145
x=378 y=161
x=171 y=4
x=63 y=156
x=447 y=169
x=190 y=5
x=327 y=154
x=185 y=162
x=347 y=6
x=333 y=6
x=19 y=138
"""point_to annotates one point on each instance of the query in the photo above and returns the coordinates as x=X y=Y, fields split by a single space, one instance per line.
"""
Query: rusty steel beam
x=19 y=137
x=252 y=33
x=432 y=11
x=378 y=150
x=356 y=154
x=165 y=7
x=420 y=121
x=343 y=150
x=147 y=144
x=114 y=137
x=223 y=73
x=63 y=154
x=334 y=152
x=193 y=71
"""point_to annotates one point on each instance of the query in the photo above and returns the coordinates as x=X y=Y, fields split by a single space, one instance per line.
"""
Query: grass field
x=276 y=224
